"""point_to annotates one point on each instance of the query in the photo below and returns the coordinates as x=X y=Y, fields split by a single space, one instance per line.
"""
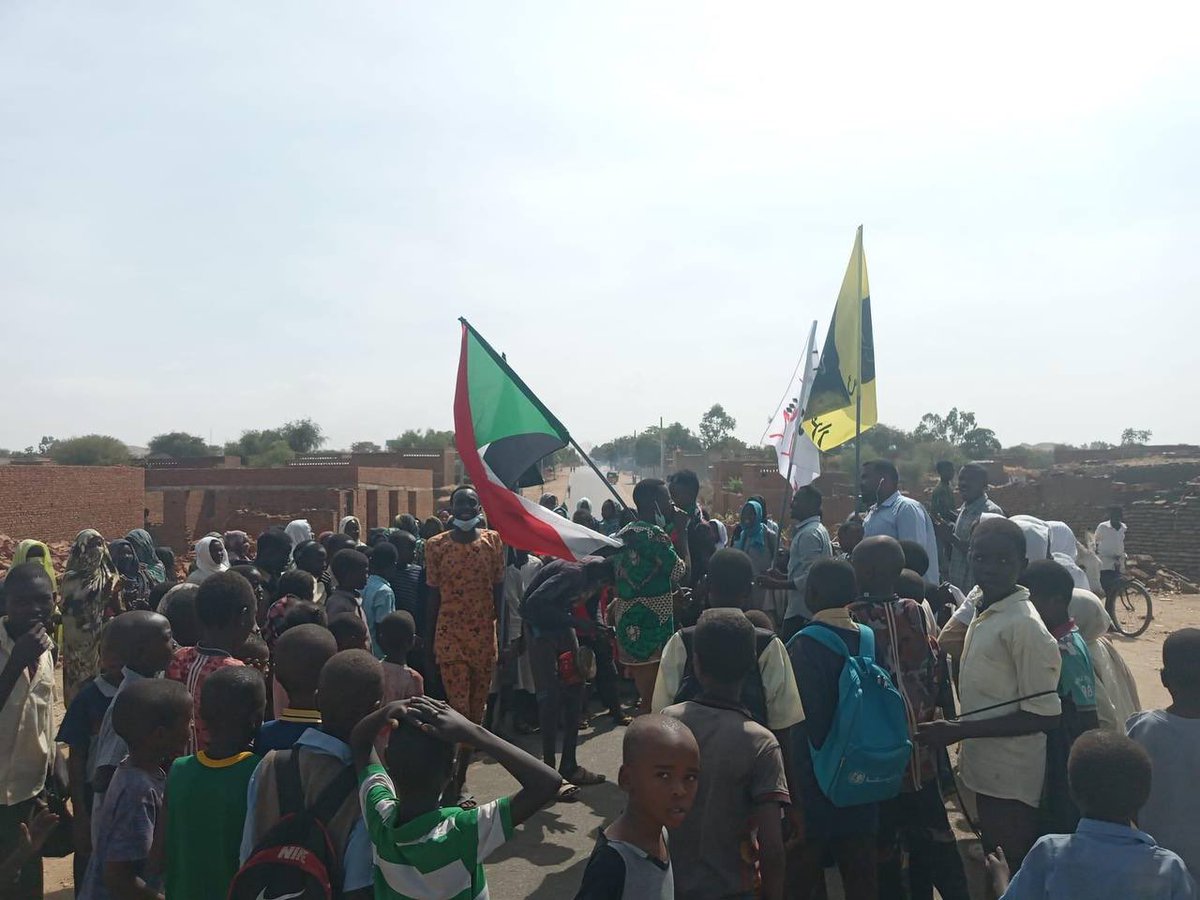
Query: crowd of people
x=297 y=714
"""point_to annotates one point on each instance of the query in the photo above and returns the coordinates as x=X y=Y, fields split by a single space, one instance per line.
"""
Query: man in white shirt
x=1110 y=547
x=26 y=713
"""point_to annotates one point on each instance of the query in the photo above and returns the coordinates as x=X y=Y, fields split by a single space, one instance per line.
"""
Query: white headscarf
x=1062 y=539
x=584 y=503
x=204 y=561
x=299 y=531
x=346 y=521
x=1116 y=690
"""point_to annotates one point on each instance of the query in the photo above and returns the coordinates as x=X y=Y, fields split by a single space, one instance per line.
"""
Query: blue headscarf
x=756 y=535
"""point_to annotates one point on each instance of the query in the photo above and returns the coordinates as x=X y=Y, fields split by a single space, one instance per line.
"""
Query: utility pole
x=662 y=450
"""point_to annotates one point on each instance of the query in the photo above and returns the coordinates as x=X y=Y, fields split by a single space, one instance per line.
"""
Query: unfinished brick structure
x=762 y=478
x=54 y=503
x=191 y=501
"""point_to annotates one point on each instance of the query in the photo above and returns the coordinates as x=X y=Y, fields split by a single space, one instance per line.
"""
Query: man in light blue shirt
x=810 y=542
x=895 y=515
x=1106 y=856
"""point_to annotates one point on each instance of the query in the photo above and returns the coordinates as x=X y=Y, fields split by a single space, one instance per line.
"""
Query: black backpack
x=296 y=858
x=754 y=695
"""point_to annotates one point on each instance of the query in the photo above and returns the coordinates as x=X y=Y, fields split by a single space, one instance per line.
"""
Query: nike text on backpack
x=867 y=749
x=296 y=860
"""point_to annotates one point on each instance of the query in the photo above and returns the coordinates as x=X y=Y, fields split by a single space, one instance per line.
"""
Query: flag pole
x=858 y=385
x=805 y=360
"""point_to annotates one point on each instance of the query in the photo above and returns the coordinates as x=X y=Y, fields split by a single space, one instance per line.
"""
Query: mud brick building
x=53 y=503
x=186 y=500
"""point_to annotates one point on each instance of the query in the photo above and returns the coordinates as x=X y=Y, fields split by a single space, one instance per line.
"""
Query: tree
x=365 y=447
x=44 y=445
x=429 y=439
x=301 y=436
x=979 y=443
x=179 y=445
x=953 y=427
x=715 y=426
x=278 y=453
x=90 y=450
x=1136 y=437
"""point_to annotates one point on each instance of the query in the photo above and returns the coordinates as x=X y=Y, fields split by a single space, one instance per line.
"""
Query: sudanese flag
x=502 y=431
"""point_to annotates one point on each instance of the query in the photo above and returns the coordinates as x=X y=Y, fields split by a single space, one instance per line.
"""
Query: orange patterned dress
x=465 y=574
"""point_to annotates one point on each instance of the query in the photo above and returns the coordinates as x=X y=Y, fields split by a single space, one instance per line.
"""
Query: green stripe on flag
x=501 y=406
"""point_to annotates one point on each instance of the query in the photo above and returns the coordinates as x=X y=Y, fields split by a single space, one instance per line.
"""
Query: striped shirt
x=438 y=854
x=191 y=666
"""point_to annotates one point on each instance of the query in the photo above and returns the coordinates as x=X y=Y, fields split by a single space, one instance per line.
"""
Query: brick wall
x=54 y=503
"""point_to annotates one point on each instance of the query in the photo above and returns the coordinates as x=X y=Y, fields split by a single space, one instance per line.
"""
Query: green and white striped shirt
x=439 y=854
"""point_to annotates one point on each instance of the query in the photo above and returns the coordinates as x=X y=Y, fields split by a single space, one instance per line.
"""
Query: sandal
x=568 y=793
x=581 y=777
x=467 y=801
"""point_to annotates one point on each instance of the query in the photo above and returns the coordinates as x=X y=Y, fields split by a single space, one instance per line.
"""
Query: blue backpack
x=867 y=749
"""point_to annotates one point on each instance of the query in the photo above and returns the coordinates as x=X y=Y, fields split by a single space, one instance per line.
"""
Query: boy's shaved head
x=878 y=562
x=300 y=652
x=650 y=732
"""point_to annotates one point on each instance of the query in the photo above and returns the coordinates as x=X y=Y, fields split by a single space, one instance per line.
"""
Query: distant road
x=583 y=482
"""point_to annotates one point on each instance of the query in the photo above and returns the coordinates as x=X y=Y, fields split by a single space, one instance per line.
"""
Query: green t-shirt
x=439 y=854
x=206 y=809
x=1077 y=678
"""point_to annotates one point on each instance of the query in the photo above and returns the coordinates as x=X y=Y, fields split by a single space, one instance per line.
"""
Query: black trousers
x=918 y=821
x=555 y=699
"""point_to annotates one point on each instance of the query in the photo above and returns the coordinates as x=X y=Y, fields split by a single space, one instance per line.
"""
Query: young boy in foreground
x=206 y=793
x=660 y=773
x=154 y=718
x=734 y=837
x=1106 y=856
x=421 y=848
x=1172 y=738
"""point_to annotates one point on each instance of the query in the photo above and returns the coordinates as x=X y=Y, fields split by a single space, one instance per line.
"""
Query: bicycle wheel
x=1132 y=609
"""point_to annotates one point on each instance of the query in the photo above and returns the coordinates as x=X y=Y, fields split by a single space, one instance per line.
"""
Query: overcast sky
x=223 y=215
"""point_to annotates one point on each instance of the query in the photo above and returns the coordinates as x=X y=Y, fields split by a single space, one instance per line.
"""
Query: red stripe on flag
x=504 y=511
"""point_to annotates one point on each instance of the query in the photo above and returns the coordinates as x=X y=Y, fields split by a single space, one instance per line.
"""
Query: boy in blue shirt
x=1106 y=856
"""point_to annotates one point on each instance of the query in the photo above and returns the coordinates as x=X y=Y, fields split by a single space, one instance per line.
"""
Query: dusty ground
x=547 y=857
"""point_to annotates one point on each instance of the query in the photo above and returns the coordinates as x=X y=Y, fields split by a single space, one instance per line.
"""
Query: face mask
x=466 y=524
x=659 y=519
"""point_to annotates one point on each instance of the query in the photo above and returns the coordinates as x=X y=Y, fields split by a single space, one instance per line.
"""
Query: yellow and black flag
x=847 y=363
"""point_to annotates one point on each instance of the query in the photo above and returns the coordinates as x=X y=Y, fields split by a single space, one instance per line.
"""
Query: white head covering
x=1062 y=538
x=346 y=521
x=204 y=561
x=299 y=531
x=1037 y=536
x=1089 y=614
x=584 y=503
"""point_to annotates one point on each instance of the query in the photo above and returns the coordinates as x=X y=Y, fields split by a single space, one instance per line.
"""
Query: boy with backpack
x=769 y=691
x=820 y=655
x=734 y=835
x=206 y=793
x=422 y=849
x=907 y=651
x=302 y=799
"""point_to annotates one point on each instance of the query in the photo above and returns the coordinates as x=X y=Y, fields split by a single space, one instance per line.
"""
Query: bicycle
x=1130 y=605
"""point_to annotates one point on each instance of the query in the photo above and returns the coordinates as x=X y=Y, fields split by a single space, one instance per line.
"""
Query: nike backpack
x=296 y=860
x=867 y=749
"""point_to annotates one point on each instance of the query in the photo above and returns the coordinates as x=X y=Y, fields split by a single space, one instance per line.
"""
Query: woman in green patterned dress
x=648 y=571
